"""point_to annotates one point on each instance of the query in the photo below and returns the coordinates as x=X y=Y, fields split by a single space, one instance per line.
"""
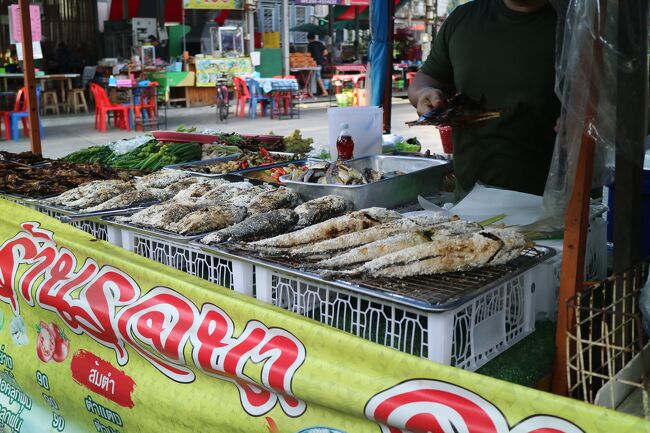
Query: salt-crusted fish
x=445 y=253
x=373 y=250
x=258 y=226
x=125 y=200
x=91 y=193
x=174 y=188
x=323 y=249
x=280 y=198
x=208 y=219
x=352 y=222
x=160 y=179
x=160 y=216
x=194 y=191
x=227 y=191
x=321 y=209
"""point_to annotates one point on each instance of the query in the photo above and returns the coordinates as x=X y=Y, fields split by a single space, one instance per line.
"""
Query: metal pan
x=70 y=214
x=422 y=176
x=180 y=167
x=250 y=172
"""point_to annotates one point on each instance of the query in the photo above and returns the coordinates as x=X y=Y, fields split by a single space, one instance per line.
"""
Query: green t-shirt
x=486 y=49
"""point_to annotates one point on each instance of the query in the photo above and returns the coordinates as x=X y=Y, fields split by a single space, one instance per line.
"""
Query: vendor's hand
x=429 y=99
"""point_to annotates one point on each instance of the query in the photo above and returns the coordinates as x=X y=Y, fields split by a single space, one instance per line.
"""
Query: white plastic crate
x=548 y=288
x=99 y=229
x=223 y=270
x=467 y=336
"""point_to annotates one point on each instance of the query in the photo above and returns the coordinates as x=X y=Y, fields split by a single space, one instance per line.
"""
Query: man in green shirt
x=503 y=50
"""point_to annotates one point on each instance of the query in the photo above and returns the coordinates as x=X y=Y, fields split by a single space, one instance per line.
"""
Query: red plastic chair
x=104 y=108
x=147 y=103
x=20 y=106
x=242 y=96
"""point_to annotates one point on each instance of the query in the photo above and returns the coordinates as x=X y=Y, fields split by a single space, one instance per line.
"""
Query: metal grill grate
x=441 y=290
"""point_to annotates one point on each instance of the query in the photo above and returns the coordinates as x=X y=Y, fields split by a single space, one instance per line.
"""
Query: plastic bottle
x=112 y=81
x=344 y=144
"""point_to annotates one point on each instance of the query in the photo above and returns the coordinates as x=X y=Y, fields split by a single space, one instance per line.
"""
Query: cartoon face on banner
x=430 y=406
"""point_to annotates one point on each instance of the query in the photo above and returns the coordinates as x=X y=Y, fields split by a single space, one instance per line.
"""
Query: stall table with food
x=303 y=226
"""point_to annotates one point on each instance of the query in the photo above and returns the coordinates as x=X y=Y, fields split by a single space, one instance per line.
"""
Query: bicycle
x=223 y=97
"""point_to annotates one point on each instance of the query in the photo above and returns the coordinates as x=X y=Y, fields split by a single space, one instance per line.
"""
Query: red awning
x=117 y=13
x=173 y=11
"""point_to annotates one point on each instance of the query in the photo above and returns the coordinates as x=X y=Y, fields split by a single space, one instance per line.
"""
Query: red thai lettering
x=12 y=254
x=162 y=320
x=43 y=260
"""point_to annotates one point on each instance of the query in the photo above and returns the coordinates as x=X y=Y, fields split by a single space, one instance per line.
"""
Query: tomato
x=62 y=344
x=45 y=342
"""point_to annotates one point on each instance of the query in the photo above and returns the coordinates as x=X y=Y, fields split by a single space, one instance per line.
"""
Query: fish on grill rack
x=260 y=226
x=208 y=219
x=91 y=193
x=444 y=253
x=321 y=209
x=160 y=179
x=332 y=228
x=280 y=198
x=160 y=216
x=127 y=199
x=323 y=249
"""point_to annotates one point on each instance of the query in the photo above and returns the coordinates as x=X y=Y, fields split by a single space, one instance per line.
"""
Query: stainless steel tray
x=423 y=176
x=179 y=167
x=155 y=233
x=397 y=290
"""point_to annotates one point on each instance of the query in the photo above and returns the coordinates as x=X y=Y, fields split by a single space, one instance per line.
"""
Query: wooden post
x=30 y=79
x=388 y=84
x=576 y=220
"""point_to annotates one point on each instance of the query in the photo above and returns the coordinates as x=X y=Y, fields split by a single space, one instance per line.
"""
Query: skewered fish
x=208 y=219
x=280 y=198
x=321 y=209
x=258 y=226
x=160 y=179
x=446 y=254
x=459 y=111
x=124 y=200
x=355 y=221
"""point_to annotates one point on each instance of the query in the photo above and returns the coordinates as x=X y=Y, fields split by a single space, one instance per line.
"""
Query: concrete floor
x=66 y=133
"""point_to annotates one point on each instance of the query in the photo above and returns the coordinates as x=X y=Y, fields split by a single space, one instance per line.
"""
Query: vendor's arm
x=436 y=77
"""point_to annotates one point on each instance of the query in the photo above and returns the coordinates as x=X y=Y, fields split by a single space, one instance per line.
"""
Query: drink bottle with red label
x=344 y=144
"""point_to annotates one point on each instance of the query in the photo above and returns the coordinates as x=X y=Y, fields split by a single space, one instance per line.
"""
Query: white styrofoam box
x=467 y=336
x=222 y=270
x=95 y=227
x=549 y=279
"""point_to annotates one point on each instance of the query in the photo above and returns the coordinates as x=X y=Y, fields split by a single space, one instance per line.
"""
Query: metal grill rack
x=472 y=318
x=96 y=227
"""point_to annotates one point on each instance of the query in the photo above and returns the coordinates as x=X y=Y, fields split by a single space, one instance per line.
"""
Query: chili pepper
x=244 y=164
x=264 y=151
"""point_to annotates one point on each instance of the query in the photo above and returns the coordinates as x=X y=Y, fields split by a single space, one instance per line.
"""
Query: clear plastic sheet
x=587 y=62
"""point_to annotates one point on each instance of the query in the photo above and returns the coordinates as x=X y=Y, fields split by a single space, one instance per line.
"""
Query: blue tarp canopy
x=378 y=53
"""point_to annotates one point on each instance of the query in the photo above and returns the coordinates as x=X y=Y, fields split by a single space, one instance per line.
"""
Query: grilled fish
x=174 y=188
x=160 y=179
x=258 y=226
x=374 y=250
x=124 y=200
x=321 y=209
x=280 y=198
x=88 y=189
x=227 y=191
x=195 y=191
x=97 y=193
x=326 y=248
x=446 y=253
x=208 y=219
x=352 y=222
x=162 y=215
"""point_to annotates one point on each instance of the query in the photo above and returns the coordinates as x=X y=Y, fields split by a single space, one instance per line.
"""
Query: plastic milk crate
x=223 y=270
x=95 y=227
x=466 y=336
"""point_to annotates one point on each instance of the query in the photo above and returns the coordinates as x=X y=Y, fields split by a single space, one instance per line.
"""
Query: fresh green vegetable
x=295 y=143
x=183 y=128
x=410 y=145
x=324 y=154
x=93 y=154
